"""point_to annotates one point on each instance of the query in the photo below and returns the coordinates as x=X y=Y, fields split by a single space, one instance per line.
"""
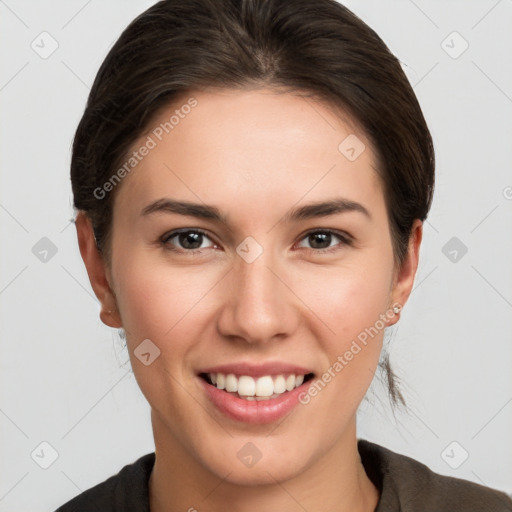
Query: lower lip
x=254 y=411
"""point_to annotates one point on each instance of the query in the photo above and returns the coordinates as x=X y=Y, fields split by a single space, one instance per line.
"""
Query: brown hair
x=313 y=47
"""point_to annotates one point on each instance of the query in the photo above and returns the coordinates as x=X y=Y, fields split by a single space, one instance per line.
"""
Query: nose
x=258 y=304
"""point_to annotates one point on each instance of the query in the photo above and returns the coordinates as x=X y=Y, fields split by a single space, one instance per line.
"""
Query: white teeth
x=231 y=383
x=279 y=384
x=264 y=386
x=246 y=386
x=261 y=388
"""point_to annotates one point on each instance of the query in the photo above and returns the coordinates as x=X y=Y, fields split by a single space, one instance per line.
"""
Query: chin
x=254 y=466
x=263 y=473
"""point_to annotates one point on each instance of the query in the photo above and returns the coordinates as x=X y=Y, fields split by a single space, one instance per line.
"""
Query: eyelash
x=344 y=238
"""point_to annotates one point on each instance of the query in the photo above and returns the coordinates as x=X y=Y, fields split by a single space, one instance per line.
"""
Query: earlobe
x=406 y=273
x=97 y=271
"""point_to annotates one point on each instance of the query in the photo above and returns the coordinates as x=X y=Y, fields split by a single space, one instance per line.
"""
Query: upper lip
x=258 y=370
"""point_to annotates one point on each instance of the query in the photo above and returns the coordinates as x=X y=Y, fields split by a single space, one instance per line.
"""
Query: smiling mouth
x=266 y=387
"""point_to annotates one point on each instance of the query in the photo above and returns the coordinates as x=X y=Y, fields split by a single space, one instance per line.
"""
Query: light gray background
x=65 y=377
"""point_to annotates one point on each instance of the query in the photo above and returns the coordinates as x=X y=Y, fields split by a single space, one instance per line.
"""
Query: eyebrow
x=323 y=208
x=203 y=211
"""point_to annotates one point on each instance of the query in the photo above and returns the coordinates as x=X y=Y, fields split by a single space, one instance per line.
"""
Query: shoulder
x=408 y=485
x=127 y=491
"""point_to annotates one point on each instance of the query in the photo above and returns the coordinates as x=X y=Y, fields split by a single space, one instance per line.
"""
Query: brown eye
x=320 y=240
x=323 y=239
x=188 y=240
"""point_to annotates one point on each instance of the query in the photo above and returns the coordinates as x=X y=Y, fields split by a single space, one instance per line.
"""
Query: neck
x=335 y=482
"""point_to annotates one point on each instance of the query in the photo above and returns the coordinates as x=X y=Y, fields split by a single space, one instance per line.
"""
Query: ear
x=97 y=271
x=404 y=278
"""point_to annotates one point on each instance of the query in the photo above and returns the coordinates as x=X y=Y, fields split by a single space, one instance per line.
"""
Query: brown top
x=407 y=485
x=404 y=484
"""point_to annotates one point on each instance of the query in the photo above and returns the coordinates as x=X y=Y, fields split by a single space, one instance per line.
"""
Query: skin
x=254 y=155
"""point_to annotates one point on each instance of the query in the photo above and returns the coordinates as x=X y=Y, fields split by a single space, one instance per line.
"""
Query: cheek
x=165 y=305
x=352 y=301
x=155 y=299
x=352 y=306
x=348 y=298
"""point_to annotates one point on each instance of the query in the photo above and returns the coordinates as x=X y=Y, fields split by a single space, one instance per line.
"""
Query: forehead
x=251 y=145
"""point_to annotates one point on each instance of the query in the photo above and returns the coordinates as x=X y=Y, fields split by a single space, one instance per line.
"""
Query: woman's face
x=262 y=284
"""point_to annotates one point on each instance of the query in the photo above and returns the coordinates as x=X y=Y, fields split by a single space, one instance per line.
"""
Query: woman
x=251 y=178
